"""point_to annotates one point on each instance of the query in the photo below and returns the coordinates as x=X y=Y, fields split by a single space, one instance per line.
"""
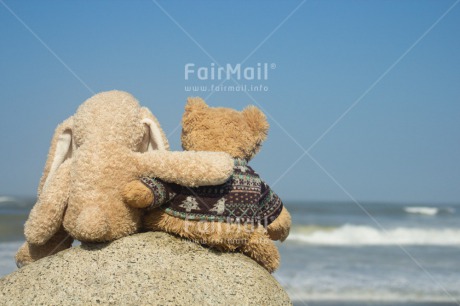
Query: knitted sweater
x=244 y=198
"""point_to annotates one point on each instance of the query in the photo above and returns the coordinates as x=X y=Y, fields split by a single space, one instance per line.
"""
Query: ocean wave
x=16 y=202
x=366 y=235
x=7 y=199
x=428 y=211
x=364 y=298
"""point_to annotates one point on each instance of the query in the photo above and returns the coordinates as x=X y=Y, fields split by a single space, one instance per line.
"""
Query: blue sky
x=395 y=62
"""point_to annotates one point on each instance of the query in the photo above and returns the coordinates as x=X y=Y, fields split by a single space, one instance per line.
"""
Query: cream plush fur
x=109 y=142
x=220 y=130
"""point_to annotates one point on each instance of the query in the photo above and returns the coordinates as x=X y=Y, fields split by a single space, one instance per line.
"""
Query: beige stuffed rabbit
x=110 y=141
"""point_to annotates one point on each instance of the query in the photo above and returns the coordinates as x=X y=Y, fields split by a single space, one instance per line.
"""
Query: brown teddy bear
x=243 y=214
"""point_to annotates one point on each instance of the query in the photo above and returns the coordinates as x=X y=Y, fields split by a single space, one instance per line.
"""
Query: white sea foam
x=367 y=235
x=372 y=296
x=7 y=199
x=428 y=211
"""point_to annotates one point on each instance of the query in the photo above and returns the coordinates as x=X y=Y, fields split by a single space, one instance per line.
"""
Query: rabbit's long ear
x=60 y=150
x=154 y=137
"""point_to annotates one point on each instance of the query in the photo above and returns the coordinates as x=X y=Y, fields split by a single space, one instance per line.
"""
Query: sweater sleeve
x=270 y=205
x=162 y=191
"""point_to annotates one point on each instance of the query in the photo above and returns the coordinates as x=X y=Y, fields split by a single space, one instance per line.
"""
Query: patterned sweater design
x=244 y=198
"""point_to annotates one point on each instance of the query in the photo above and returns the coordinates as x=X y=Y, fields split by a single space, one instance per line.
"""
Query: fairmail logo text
x=228 y=72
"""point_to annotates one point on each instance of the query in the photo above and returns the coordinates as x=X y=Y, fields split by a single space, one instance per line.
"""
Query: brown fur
x=240 y=134
x=223 y=129
x=137 y=195
x=29 y=253
x=279 y=229
x=103 y=147
x=250 y=240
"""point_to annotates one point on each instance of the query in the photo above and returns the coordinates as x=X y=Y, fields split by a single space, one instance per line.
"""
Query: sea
x=340 y=254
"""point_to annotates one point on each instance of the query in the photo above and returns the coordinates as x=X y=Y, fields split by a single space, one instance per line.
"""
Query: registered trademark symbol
x=273 y=66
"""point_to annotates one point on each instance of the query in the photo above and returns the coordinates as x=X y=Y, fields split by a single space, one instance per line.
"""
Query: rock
x=148 y=268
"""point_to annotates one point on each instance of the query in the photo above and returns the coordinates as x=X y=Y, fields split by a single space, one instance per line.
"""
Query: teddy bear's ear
x=195 y=103
x=257 y=122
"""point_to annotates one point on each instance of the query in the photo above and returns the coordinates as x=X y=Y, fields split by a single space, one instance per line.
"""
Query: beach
x=340 y=253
